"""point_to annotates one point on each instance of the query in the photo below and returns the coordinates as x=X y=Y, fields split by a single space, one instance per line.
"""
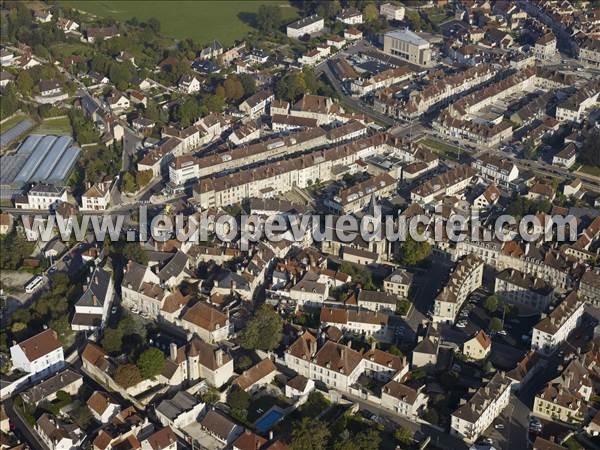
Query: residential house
x=210 y=324
x=96 y=197
x=403 y=400
x=58 y=435
x=221 y=428
x=257 y=376
x=478 y=347
x=91 y=309
x=40 y=355
x=350 y=16
x=102 y=406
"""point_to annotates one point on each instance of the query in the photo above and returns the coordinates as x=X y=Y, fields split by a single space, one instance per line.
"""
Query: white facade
x=553 y=330
x=308 y=25
x=391 y=11
x=40 y=355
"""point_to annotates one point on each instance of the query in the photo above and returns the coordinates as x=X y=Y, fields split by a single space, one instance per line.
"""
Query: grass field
x=226 y=20
x=61 y=126
x=450 y=151
x=590 y=170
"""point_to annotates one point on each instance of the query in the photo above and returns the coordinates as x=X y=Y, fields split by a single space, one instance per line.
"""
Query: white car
x=461 y=325
x=502 y=333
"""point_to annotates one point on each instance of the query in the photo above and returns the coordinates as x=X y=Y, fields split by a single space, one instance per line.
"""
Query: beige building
x=391 y=11
x=478 y=347
x=522 y=289
x=589 y=53
x=398 y=283
x=408 y=46
x=465 y=278
x=403 y=400
x=480 y=411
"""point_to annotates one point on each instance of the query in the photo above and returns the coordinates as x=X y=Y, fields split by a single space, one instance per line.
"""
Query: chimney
x=373 y=345
x=271 y=435
x=219 y=357
x=173 y=350
x=349 y=344
x=313 y=348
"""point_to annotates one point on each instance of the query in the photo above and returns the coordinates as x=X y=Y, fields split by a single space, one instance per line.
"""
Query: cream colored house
x=478 y=347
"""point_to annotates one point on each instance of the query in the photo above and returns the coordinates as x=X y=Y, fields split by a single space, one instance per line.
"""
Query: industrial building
x=39 y=159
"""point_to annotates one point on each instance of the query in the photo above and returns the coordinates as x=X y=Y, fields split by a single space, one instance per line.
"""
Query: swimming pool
x=268 y=420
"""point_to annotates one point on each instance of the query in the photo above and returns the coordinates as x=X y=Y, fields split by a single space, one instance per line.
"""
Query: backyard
x=225 y=20
x=59 y=126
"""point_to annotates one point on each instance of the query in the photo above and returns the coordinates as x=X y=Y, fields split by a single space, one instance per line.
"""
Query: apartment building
x=574 y=107
x=465 y=278
x=501 y=171
x=96 y=198
x=381 y=80
x=324 y=109
x=441 y=90
x=566 y=398
x=404 y=400
x=307 y=25
x=281 y=176
x=554 y=329
x=448 y=183
x=391 y=11
x=589 y=287
x=359 y=322
x=589 y=53
x=40 y=355
x=398 y=283
x=44 y=197
x=408 y=46
x=353 y=199
x=566 y=157
x=141 y=290
x=475 y=416
x=350 y=16
x=188 y=168
x=257 y=104
x=523 y=289
x=545 y=48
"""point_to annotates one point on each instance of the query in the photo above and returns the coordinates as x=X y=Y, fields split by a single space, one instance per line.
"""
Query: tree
x=264 y=330
x=268 y=18
x=238 y=399
x=233 y=88
x=315 y=404
x=24 y=82
x=590 y=151
x=432 y=416
x=129 y=184
x=395 y=351
x=151 y=362
x=414 y=252
x=404 y=436
x=244 y=362
x=367 y=440
x=491 y=304
x=248 y=83
x=128 y=375
x=154 y=25
x=495 y=324
x=291 y=86
x=309 y=434
x=210 y=396
x=112 y=340
x=143 y=177
x=370 y=12
x=134 y=252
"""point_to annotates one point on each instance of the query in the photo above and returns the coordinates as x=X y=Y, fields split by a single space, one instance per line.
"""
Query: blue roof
x=52 y=158
x=12 y=133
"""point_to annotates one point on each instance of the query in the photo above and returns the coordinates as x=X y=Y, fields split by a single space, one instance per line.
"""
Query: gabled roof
x=40 y=345
x=205 y=316
x=255 y=374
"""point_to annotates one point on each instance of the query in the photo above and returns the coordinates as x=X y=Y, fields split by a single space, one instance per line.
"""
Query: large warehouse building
x=39 y=159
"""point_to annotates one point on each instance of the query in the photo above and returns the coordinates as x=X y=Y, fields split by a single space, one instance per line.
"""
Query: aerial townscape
x=124 y=124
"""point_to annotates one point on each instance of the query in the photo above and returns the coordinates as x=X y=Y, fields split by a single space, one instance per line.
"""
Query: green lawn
x=65 y=49
x=590 y=170
x=61 y=126
x=226 y=20
x=448 y=150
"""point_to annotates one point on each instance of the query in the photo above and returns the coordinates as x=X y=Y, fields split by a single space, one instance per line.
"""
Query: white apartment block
x=589 y=53
x=40 y=355
x=281 y=176
x=45 y=197
x=391 y=11
x=475 y=416
x=498 y=170
x=465 y=278
x=403 y=400
x=307 y=25
x=555 y=328
x=450 y=182
x=522 y=289
x=96 y=198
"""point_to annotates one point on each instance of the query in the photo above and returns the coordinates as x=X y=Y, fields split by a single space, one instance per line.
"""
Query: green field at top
x=225 y=20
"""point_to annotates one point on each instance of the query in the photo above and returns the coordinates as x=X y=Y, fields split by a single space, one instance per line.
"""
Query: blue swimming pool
x=268 y=420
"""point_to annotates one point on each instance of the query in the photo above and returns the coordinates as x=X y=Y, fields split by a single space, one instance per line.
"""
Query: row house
x=324 y=109
x=339 y=366
x=589 y=287
x=589 y=53
x=186 y=168
x=567 y=397
x=441 y=90
x=381 y=80
x=377 y=301
x=404 y=400
x=359 y=322
x=495 y=169
x=555 y=328
x=479 y=412
x=281 y=176
x=465 y=278
x=190 y=138
x=448 y=183
x=523 y=290
x=573 y=108
x=353 y=199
